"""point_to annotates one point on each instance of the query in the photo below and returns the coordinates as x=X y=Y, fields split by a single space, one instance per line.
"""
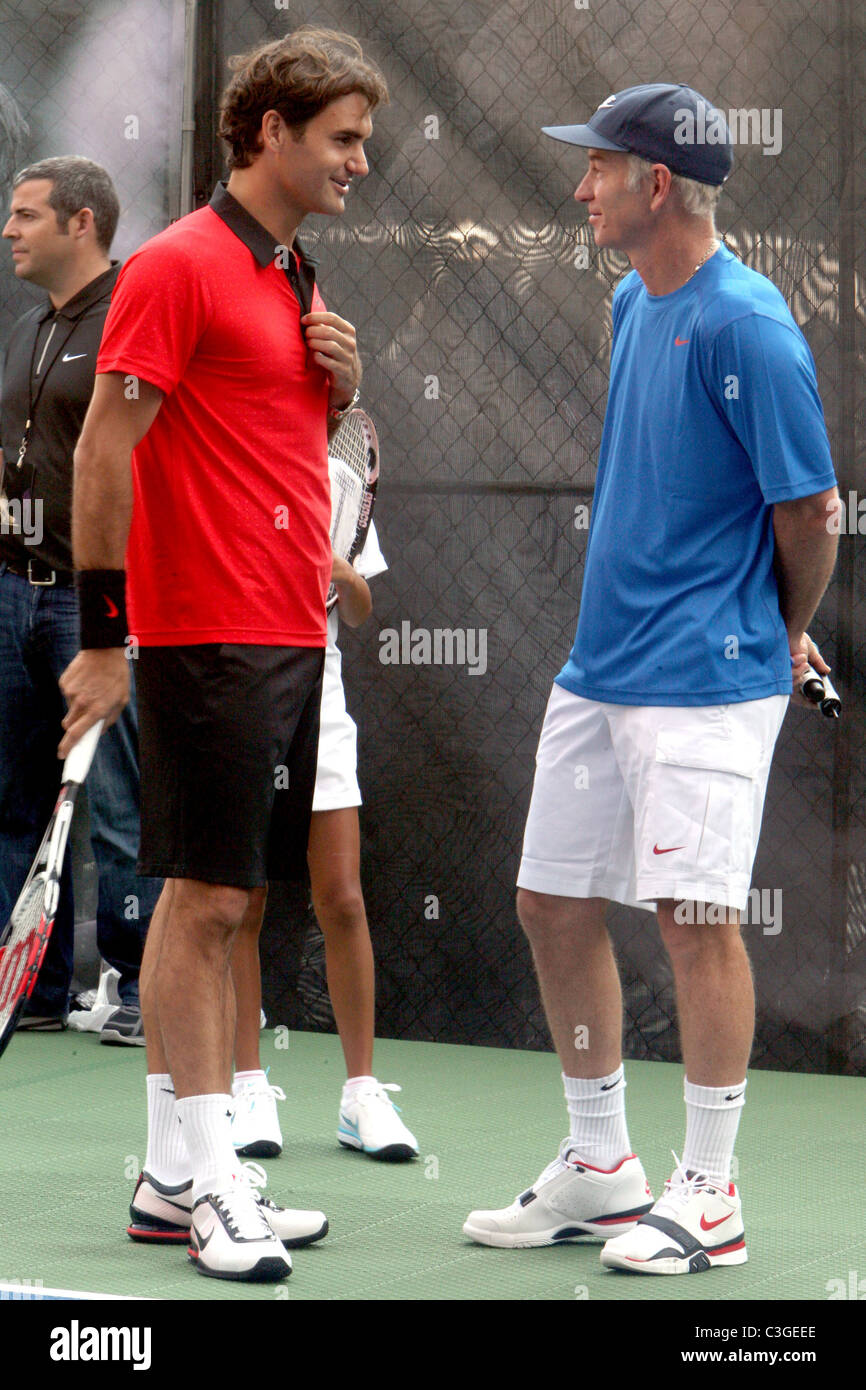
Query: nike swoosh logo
x=680 y=342
x=735 y=1097
x=708 y=1225
x=611 y=1086
x=112 y=609
x=72 y=357
x=656 y=849
x=204 y=1241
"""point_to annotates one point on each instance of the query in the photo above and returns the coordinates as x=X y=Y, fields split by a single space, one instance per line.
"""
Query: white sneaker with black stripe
x=160 y=1214
x=229 y=1238
x=570 y=1200
x=698 y=1223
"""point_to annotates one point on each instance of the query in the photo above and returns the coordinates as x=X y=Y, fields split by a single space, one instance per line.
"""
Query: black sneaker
x=124 y=1026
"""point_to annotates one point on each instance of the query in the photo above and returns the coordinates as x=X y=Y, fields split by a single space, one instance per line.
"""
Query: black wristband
x=102 y=607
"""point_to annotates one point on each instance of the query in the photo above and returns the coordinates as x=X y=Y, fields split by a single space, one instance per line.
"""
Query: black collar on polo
x=91 y=294
x=300 y=274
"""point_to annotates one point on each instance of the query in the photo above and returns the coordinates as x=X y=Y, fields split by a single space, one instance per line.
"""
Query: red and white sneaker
x=569 y=1201
x=161 y=1215
x=695 y=1225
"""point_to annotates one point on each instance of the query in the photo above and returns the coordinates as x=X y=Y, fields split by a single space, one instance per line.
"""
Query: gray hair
x=697 y=199
x=78 y=183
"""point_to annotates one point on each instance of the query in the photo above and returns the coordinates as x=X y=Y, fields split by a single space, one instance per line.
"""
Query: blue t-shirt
x=713 y=416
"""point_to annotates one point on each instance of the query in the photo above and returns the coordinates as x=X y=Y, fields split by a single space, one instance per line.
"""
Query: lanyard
x=33 y=401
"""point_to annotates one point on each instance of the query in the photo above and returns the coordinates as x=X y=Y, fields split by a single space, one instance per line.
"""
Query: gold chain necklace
x=714 y=246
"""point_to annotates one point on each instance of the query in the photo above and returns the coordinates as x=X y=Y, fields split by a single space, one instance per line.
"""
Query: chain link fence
x=483 y=312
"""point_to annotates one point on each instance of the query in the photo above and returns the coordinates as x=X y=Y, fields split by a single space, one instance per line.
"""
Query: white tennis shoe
x=371 y=1122
x=570 y=1200
x=161 y=1214
x=229 y=1238
x=256 y=1129
x=695 y=1225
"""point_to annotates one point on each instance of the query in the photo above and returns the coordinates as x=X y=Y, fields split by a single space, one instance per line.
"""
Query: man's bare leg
x=715 y=995
x=578 y=978
x=193 y=987
x=716 y=1009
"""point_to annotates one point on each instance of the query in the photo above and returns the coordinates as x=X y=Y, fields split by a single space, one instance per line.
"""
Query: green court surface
x=487 y=1120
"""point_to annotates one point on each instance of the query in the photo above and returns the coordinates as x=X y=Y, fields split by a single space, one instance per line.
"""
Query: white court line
x=28 y=1293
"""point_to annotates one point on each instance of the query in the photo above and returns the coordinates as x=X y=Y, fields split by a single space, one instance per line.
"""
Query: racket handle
x=77 y=764
x=818 y=690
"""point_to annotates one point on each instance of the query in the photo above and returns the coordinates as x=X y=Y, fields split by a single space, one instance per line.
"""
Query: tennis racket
x=25 y=936
x=353 y=463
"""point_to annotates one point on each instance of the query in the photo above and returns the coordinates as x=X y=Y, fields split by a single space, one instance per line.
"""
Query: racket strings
x=20 y=945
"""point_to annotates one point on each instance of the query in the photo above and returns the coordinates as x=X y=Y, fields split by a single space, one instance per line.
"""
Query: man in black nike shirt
x=63 y=217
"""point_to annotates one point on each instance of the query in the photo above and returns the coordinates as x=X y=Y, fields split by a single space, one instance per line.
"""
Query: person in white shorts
x=708 y=555
x=368 y=1119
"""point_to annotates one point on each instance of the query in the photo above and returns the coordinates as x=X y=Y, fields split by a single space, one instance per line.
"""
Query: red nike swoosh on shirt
x=113 y=610
x=656 y=849
x=708 y=1225
x=680 y=342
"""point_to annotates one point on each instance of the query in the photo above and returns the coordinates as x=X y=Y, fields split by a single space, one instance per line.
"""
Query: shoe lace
x=565 y=1158
x=241 y=1205
x=377 y=1093
x=254 y=1178
x=680 y=1188
x=249 y=1097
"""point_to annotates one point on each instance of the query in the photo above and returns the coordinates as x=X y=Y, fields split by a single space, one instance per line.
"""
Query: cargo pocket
x=703 y=796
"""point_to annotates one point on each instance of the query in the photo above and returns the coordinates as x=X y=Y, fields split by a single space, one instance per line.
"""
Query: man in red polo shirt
x=203 y=462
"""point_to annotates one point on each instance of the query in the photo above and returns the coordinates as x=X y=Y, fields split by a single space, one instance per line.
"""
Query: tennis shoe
x=370 y=1121
x=160 y=1214
x=124 y=1025
x=255 y=1126
x=570 y=1200
x=698 y=1223
x=41 y=1023
x=230 y=1238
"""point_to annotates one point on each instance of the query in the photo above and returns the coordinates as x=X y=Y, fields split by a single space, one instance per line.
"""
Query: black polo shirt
x=48 y=377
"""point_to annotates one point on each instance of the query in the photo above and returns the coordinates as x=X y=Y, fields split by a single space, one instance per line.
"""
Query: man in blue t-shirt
x=708 y=554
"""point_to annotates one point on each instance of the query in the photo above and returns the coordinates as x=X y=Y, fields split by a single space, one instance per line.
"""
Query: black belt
x=38 y=573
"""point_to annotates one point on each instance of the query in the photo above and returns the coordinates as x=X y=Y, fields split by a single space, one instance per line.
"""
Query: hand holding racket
x=25 y=936
x=353 y=463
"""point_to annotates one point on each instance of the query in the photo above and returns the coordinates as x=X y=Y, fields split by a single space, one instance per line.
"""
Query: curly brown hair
x=296 y=76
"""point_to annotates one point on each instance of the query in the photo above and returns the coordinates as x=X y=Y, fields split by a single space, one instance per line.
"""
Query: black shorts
x=228 y=738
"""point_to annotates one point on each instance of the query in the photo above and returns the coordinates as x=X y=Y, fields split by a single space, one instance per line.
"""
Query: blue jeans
x=39 y=636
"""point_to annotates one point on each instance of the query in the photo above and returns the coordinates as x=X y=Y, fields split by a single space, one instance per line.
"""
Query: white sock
x=355 y=1083
x=712 y=1120
x=596 y=1112
x=206 y=1122
x=167 y=1158
x=249 y=1081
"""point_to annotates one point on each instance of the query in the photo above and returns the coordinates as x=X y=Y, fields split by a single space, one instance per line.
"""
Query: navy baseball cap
x=664 y=123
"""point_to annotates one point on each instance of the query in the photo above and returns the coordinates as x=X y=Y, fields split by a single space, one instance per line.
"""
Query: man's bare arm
x=806 y=546
x=96 y=683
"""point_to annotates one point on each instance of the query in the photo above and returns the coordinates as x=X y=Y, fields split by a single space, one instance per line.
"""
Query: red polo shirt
x=229 y=538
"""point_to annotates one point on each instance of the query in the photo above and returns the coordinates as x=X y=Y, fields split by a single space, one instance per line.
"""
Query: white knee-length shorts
x=336 y=768
x=639 y=803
